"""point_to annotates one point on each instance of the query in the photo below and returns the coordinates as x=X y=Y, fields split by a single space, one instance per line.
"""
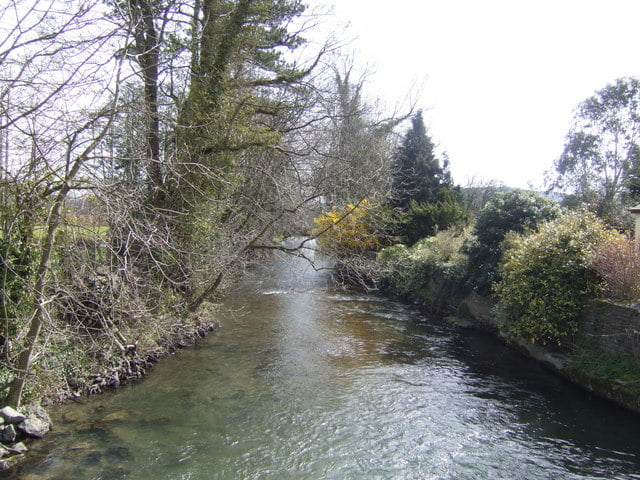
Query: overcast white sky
x=501 y=78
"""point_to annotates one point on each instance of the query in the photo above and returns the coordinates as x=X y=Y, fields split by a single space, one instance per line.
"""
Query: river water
x=305 y=381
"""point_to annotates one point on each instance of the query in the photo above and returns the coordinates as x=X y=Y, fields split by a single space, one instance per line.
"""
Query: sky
x=498 y=80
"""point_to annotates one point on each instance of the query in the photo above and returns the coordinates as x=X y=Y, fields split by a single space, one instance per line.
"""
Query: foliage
x=407 y=271
x=547 y=277
x=240 y=81
x=417 y=172
x=609 y=367
x=18 y=259
x=618 y=262
x=426 y=219
x=600 y=164
x=199 y=130
x=515 y=211
x=18 y=253
x=346 y=231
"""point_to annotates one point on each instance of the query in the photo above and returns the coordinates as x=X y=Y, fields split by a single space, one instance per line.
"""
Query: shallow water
x=308 y=382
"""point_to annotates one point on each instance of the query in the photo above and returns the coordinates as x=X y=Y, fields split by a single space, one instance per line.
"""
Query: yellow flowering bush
x=344 y=231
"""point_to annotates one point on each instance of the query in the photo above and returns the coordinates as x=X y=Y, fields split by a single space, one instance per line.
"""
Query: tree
x=145 y=49
x=417 y=174
x=357 y=160
x=516 y=211
x=212 y=163
x=477 y=193
x=600 y=165
x=426 y=219
x=241 y=101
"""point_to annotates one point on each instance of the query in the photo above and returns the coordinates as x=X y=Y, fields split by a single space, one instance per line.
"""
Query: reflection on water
x=307 y=382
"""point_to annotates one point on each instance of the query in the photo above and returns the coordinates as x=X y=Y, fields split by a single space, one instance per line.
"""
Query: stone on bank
x=16 y=426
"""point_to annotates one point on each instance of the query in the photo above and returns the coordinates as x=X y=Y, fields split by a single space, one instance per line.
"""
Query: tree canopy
x=515 y=211
x=600 y=164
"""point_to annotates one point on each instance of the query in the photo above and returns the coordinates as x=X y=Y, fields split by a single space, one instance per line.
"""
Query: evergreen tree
x=418 y=175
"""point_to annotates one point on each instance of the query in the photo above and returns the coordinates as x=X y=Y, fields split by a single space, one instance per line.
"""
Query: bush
x=618 y=262
x=346 y=231
x=426 y=219
x=547 y=277
x=515 y=211
x=408 y=271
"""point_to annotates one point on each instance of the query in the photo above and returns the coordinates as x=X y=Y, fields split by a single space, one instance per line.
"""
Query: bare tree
x=356 y=159
x=50 y=56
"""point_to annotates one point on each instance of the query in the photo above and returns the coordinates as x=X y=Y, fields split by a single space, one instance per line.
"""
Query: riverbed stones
x=30 y=422
x=12 y=455
x=9 y=462
x=37 y=422
x=34 y=427
x=11 y=415
x=18 y=449
x=8 y=434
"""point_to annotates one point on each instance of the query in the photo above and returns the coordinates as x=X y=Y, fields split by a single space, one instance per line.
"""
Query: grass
x=609 y=367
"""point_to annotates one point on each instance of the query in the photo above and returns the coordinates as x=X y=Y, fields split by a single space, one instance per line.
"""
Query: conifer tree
x=417 y=174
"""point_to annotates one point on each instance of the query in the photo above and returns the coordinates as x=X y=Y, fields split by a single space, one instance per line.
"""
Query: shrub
x=618 y=262
x=546 y=277
x=426 y=219
x=515 y=211
x=346 y=231
x=408 y=271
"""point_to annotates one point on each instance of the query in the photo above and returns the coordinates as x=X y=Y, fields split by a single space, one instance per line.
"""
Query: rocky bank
x=16 y=427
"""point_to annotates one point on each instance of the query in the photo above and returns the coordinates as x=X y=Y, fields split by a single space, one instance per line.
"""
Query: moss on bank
x=92 y=360
x=609 y=368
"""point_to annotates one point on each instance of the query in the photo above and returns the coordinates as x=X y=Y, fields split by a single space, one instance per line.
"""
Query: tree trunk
x=24 y=359
x=148 y=50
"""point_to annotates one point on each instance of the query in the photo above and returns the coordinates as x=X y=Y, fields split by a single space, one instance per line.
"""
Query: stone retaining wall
x=611 y=328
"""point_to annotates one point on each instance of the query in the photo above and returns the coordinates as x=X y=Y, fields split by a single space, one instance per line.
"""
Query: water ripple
x=322 y=384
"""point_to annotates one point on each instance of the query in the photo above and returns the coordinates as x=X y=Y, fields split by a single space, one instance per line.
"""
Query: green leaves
x=418 y=175
x=426 y=219
x=546 y=277
x=516 y=211
x=409 y=271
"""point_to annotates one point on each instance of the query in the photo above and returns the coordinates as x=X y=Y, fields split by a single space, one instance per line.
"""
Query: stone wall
x=611 y=328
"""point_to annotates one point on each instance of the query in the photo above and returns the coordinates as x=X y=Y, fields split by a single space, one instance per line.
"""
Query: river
x=306 y=381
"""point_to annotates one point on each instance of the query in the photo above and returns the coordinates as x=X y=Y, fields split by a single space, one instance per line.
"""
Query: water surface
x=304 y=381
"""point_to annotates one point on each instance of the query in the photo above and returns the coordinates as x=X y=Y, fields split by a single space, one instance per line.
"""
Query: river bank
x=20 y=427
x=607 y=333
